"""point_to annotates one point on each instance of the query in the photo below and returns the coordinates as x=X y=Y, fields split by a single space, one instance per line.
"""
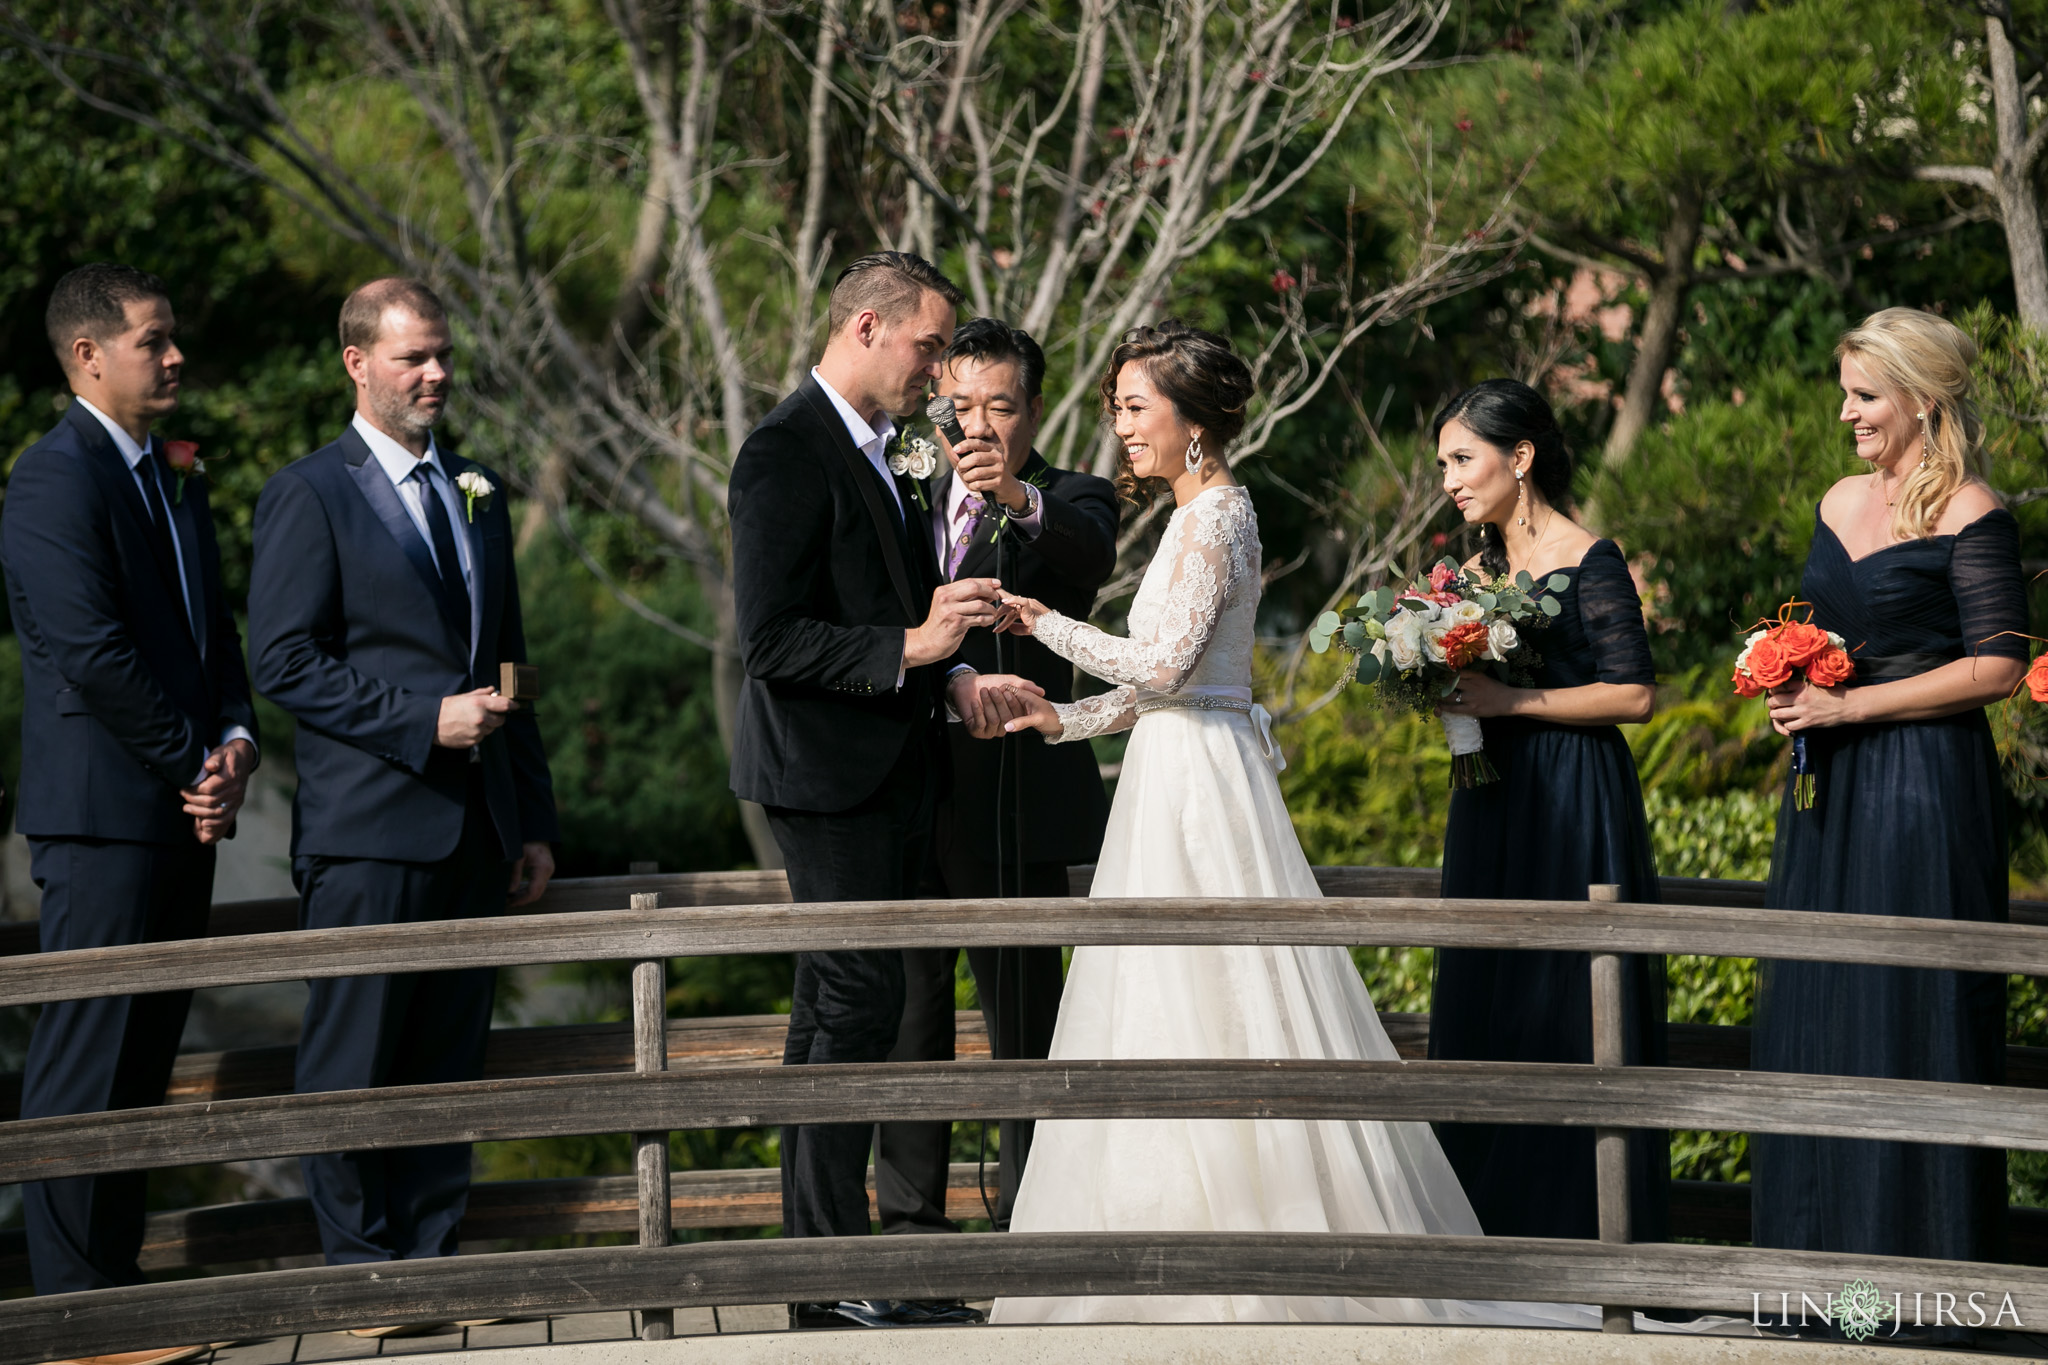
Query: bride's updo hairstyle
x=1923 y=362
x=1504 y=413
x=1208 y=384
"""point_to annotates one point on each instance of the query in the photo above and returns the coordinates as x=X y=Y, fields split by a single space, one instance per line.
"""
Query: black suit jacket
x=346 y=633
x=1074 y=553
x=121 y=701
x=826 y=578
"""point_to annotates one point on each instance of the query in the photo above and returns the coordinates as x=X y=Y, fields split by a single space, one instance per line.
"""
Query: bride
x=1198 y=812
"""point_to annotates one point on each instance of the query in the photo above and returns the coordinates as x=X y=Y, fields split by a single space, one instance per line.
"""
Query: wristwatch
x=1030 y=502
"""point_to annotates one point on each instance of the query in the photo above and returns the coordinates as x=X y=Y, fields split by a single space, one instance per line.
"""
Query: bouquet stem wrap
x=1469 y=767
x=1802 y=775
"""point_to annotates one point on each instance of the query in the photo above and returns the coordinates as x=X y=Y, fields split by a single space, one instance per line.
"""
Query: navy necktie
x=186 y=554
x=159 y=509
x=454 y=591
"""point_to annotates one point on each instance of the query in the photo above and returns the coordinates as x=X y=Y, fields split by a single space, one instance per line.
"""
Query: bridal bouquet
x=1775 y=654
x=1414 y=641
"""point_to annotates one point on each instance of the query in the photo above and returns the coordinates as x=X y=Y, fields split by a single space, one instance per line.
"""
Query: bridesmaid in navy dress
x=1567 y=812
x=1916 y=565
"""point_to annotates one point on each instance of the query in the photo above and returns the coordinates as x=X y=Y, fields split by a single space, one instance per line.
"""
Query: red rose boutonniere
x=183 y=458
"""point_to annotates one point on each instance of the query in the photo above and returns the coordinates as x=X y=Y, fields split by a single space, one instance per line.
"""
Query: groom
x=850 y=640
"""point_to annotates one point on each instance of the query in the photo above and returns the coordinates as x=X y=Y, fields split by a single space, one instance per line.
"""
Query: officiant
x=1020 y=811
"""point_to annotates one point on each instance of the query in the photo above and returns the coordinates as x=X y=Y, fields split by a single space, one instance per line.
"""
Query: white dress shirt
x=869 y=441
x=134 y=454
x=398 y=465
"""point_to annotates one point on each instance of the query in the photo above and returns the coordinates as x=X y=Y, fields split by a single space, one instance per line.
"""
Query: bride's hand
x=1478 y=695
x=1020 y=710
x=1019 y=615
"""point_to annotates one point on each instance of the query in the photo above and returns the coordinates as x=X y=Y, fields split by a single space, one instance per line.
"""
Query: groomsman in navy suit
x=137 y=733
x=381 y=603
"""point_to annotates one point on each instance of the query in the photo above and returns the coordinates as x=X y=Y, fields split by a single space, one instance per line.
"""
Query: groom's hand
x=978 y=699
x=467 y=718
x=957 y=608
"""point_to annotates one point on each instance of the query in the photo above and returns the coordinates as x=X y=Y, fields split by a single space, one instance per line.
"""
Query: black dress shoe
x=818 y=1317
x=910 y=1312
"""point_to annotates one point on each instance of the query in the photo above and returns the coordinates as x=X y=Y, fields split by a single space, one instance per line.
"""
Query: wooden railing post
x=1610 y=1145
x=650 y=1150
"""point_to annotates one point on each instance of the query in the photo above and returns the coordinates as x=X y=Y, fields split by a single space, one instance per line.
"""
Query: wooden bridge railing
x=651 y=1101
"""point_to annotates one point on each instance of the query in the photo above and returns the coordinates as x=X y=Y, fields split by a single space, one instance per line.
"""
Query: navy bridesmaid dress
x=1908 y=819
x=1566 y=813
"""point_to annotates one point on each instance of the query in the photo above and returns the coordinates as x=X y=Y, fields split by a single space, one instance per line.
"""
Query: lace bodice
x=1191 y=622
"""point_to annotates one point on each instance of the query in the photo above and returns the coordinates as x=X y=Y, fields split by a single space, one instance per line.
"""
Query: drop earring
x=1521 y=496
x=1194 y=456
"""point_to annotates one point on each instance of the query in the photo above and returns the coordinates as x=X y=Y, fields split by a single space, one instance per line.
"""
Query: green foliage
x=1713 y=836
x=1724 y=476
x=1703 y=102
x=626 y=711
x=1366 y=784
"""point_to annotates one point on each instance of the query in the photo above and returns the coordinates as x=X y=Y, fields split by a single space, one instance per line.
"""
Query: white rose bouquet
x=1413 y=642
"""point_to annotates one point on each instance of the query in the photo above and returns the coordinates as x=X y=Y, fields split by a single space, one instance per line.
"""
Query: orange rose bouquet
x=1775 y=654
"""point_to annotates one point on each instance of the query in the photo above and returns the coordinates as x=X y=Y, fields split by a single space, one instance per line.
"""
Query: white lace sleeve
x=1209 y=560
x=1099 y=715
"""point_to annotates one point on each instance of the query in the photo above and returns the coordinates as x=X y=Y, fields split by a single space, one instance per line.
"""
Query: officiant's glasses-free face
x=988 y=397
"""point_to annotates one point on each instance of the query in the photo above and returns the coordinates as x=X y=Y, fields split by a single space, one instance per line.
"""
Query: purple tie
x=976 y=508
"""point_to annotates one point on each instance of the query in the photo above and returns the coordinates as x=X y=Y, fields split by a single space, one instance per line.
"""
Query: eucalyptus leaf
x=1525 y=581
x=1488 y=601
x=1551 y=608
x=1328 y=622
x=1354 y=635
x=1368 y=668
x=1558 y=582
x=1318 y=644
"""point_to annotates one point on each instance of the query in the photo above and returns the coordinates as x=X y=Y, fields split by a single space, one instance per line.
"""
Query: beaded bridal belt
x=1237 y=699
x=1178 y=700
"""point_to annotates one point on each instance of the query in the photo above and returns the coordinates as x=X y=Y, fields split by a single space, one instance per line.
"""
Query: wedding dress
x=1198 y=812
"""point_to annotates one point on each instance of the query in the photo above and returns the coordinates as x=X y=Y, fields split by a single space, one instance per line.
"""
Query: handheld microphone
x=941 y=413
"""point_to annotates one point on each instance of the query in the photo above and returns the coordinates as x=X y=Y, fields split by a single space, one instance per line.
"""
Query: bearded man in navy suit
x=381 y=604
x=137 y=734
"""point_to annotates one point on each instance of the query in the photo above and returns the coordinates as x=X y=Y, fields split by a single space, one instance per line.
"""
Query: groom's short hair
x=891 y=283
x=362 y=313
x=92 y=301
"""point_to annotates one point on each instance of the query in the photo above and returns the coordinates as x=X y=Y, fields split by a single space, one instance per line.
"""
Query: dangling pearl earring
x=1521 y=496
x=1194 y=456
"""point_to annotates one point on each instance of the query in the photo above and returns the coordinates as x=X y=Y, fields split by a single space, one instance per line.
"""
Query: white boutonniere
x=475 y=488
x=918 y=459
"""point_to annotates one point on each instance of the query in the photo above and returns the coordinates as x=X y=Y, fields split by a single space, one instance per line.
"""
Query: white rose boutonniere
x=918 y=460
x=474 y=488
